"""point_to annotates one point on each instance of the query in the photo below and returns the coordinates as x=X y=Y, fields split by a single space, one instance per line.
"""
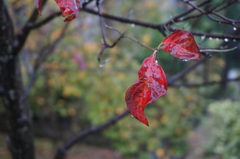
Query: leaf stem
x=159 y=46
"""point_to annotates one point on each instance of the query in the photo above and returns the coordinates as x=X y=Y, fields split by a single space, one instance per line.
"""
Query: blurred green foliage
x=224 y=137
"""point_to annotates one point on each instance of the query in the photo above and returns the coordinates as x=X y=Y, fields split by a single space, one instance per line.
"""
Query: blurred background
x=73 y=91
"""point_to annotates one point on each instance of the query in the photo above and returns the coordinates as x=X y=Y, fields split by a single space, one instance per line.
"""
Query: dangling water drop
x=203 y=37
x=107 y=60
x=234 y=28
x=132 y=25
x=226 y=39
x=210 y=38
x=101 y=65
x=185 y=60
x=217 y=39
x=181 y=19
x=234 y=40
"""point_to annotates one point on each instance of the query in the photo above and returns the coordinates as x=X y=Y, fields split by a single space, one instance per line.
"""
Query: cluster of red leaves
x=69 y=8
x=150 y=86
x=152 y=82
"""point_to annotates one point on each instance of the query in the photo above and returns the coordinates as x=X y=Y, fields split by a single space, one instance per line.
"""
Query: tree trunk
x=20 y=141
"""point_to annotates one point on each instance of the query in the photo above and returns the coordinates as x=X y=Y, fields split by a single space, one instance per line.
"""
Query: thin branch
x=161 y=27
x=227 y=5
x=41 y=57
x=23 y=34
x=204 y=84
x=218 y=50
x=179 y=17
x=61 y=153
x=209 y=35
x=101 y=23
x=181 y=74
x=131 y=38
x=158 y=26
x=108 y=46
x=226 y=20
x=44 y=21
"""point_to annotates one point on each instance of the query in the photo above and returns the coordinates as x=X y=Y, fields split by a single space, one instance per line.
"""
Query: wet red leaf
x=152 y=84
x=38 y=4
x=69 y=8
x=182 y=45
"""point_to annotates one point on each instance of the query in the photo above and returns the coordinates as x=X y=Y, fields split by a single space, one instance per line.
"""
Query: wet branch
x=61 y=153
x=205 y=84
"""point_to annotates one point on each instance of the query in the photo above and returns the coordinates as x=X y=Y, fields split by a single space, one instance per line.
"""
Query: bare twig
x=25 y=31
x=41 y=57
x=130 y=37
x=218 y=50
x=204 y=84
x=181 y=74
x=61 y=153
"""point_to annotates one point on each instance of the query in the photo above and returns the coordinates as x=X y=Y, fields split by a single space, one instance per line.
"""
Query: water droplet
x=101 y=65
x=217 y=39
x=156 y=61
x=185 y=60
x=234 y=40
x=181 y=19
x=234 y=28
x=226 y=39
x=107 y=60
x=210 y=38
x=132 y=116
x=203 y=37
x=132 y=25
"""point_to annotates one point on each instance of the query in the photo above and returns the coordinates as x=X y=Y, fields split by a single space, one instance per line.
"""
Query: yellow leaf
x=160 y=152
x=146 y=39
x=164 y=119
x=61 y=102
x=71 y=111
x=50 y=82
x=41 y=101
x=82 y=74
x=55 y=34
x=64 y=55
x=91 y=47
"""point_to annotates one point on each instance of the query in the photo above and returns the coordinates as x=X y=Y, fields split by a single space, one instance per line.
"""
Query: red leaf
x=137 y=98
x=182 y=45
x=152 y=84
x=38 y=4
x=69 y=8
